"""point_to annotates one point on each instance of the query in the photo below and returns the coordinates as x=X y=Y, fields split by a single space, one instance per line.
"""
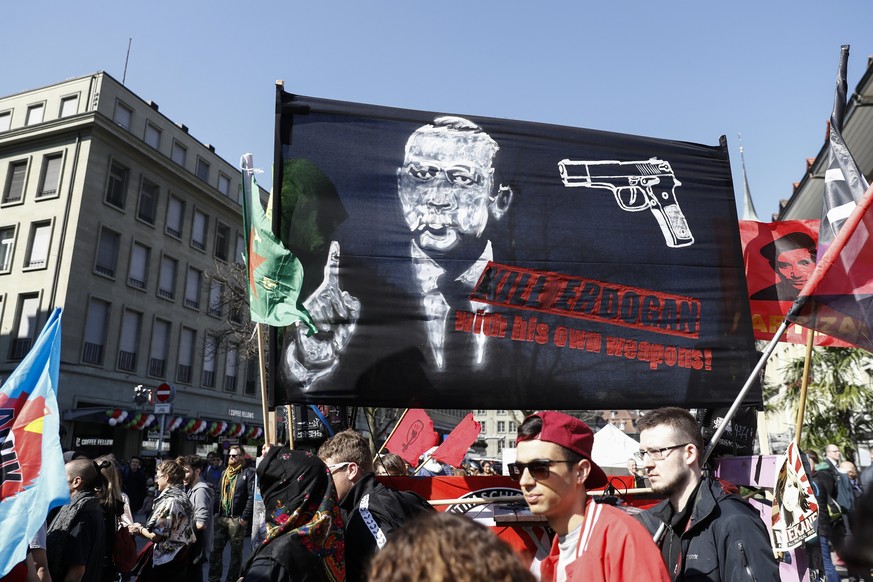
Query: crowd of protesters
x=326 y=517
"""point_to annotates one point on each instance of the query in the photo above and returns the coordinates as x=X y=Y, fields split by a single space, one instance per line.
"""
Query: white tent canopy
x=613 y=448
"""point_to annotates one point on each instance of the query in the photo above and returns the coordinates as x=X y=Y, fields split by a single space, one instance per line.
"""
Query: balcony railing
x=230 y=383
x=208 y=379
x=92 y=353
x=156 y=367
x=20 y=347
x=126 y=361
x=183 y=374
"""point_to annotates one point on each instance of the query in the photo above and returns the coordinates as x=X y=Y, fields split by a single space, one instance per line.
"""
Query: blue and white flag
x=32 y=476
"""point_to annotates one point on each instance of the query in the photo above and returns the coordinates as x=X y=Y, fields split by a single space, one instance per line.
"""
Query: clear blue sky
x=685 y=69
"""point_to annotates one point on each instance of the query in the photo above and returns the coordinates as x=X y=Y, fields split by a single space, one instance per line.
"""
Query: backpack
x=845 y=494
x=833 y=508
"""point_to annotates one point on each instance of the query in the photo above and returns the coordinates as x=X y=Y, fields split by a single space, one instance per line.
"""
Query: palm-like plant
x=839 y=397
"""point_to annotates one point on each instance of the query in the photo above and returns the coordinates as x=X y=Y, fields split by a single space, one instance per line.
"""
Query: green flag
x=275 y=275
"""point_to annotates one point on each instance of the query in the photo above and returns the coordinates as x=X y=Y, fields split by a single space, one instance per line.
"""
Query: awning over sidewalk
x=143 y=420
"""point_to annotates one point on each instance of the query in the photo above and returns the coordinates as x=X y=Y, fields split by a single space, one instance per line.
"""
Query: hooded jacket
x=371 y=512
x=725 y=538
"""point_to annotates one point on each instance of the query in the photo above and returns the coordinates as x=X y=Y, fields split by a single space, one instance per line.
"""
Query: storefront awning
x=143 y=420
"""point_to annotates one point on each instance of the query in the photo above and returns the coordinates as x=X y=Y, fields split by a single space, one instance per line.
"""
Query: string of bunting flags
x=184 y=424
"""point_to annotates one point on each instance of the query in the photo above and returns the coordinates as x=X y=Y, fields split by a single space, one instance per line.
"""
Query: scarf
x=300 y=502
x=228 y=483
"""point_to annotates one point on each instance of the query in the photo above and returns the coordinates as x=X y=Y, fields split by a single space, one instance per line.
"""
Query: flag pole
x=804 y=386
x=269 y=435
x=289 y=418
x=746 y=387
x=399 y=420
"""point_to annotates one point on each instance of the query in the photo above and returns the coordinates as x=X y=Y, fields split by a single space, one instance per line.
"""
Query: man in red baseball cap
x=595 y=541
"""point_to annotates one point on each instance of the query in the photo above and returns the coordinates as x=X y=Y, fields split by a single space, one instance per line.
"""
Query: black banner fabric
x=466 y=262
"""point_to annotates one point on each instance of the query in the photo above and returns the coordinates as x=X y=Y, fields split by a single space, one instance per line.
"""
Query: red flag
x=838 y=298
x=413 y=436
x=779 y=258
x=453 y=449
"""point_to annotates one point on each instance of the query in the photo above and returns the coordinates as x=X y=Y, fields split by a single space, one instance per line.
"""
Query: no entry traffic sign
x=164 y=393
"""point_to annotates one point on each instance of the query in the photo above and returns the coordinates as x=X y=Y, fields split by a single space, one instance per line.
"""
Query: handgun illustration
x=636 y=186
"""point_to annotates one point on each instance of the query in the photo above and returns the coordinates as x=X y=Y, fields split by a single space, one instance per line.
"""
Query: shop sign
x=93 y=442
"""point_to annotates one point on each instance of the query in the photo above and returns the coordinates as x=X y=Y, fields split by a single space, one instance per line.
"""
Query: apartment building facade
x=118 y=215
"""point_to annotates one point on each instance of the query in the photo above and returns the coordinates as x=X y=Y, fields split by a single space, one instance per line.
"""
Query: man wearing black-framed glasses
x=704 y=531
x=594 y=542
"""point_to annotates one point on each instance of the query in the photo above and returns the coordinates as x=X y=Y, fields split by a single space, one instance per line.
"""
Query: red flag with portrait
x=779 y=258
x=413 y=436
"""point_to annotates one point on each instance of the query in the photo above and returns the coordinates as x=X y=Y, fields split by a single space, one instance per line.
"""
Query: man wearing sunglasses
x=704 y=532
x=234 y=519
x=370 y=510
x=594 y=542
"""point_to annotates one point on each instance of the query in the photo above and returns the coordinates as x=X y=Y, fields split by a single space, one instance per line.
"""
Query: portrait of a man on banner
x=445 y=255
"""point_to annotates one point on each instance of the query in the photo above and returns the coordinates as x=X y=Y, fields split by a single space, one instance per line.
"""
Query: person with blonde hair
x=444 y=547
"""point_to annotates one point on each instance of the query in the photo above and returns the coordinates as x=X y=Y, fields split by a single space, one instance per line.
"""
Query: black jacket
x=726 y=539
x=285 y=560
x=371 y=512
x=243 y=503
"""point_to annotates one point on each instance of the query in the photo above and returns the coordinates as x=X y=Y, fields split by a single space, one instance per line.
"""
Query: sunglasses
x=538 y=468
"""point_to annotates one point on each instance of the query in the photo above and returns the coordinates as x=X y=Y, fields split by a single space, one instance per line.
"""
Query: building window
x=131 y=323
x=179 y=153
x=230 y=367
x=187 y=339
x=167 y=282
x=116 y=186
x=38 y=245
x=210 y=347
x=15 y=182
x=7 y=248
x=202 y=169
x=35 y=114
x=175 y=215
x=5 y=120
x=236 y=312
x=50 y=182
x=501 y=426
x=160 y=348
x=123 y=115
x=25 y=327
x=192 y=288
x=152 y=135
x=216 y=290
x=95 y=332
x=137 y=274
x=148 y=201
x=199 y=230
x=511 y=426
x=223 y=184
x=252 y=375
x=107 y=253
x=69 y=106
x=239 y=258
x=222 y=241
